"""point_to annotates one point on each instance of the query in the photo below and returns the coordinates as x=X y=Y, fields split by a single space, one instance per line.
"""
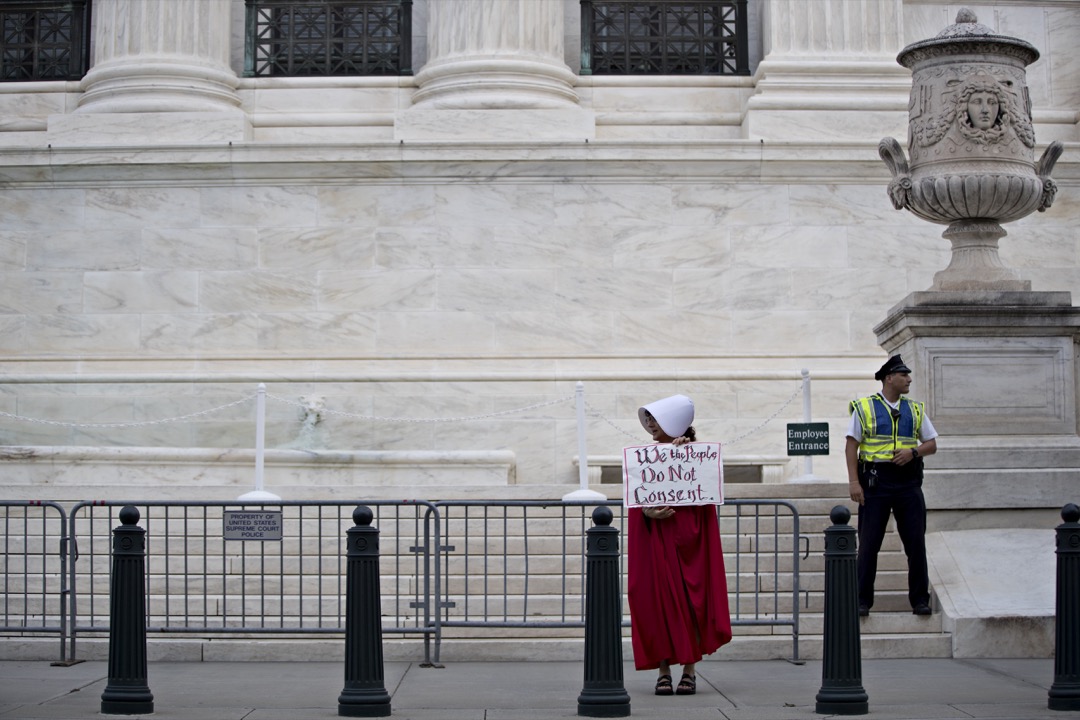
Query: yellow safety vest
x=885 y=430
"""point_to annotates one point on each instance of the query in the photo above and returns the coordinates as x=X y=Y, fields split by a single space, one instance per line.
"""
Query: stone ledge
x=987 y=297
x=215 y=473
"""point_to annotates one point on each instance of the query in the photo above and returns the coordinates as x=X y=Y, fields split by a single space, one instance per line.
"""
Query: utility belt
x=887 y=474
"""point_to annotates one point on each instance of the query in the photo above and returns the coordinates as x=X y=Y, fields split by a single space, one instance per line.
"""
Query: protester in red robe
x=677 y=584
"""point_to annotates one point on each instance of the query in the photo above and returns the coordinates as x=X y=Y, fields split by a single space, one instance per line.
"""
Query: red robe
x=677 y=587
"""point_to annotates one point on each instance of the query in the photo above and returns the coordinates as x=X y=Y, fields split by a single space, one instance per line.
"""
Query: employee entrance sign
x=690 y=474
x=808 y=439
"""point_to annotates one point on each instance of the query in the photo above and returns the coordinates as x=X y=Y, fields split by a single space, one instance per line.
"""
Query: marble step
x=330 y=649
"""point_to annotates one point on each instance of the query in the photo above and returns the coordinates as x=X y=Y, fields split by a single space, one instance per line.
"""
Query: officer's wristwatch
x=914 y=453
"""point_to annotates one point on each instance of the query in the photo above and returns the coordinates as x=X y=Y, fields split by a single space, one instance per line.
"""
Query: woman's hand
x=682 y=440
x=662 y=512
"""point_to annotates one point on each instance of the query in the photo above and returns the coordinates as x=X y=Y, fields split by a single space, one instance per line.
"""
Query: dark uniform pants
x=903 y=498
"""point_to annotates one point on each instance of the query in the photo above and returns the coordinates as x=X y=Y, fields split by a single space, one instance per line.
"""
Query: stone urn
x=972 y=146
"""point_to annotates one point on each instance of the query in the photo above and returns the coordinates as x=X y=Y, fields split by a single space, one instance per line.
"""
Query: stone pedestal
x=495 y=72
x=997 y=371
x=975 y=264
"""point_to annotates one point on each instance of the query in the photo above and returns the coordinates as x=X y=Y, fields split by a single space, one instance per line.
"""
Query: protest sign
x=690 y=474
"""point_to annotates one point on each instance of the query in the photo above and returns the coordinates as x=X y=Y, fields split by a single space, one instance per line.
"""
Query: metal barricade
x=771 y=531
x=454 y=564
x=204 y=577
x=33 y=570
x=521 y=564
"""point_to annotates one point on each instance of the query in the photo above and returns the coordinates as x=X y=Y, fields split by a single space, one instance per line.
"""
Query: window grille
x=665 y=37
x=44 y=40
x=298 y=38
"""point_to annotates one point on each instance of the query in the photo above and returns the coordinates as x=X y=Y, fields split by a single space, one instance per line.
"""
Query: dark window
x=664 y=37
x=44 y=40
x=298 y=38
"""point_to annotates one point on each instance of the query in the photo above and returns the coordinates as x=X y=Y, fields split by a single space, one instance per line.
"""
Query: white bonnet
x=673 y=414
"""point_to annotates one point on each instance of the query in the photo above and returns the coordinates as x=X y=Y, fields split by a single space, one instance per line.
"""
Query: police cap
x=895 y=364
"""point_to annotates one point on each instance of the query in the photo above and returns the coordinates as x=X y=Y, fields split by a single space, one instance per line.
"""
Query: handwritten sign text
x=691 y=474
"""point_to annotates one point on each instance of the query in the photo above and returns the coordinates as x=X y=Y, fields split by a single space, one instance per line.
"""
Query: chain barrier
x=770 y=418
x=144 y=423
x=593 y=412
x=384 y=419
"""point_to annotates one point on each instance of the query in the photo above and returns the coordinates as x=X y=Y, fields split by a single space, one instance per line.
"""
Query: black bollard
x=365 y=693
x=127 y=692
x=603 y=694
x=841 y=667
x=1065 y=692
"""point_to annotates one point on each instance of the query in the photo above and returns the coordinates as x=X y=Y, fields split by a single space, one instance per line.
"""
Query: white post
x=258 y=494
x=808 y=416
x=583 y=493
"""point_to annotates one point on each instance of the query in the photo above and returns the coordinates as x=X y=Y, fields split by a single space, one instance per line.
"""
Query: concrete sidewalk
x=910 y=689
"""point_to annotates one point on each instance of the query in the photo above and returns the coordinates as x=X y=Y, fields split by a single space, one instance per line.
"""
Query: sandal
x=687 y=685
x=663 y=685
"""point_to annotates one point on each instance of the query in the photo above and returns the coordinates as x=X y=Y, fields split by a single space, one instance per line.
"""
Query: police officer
x=887 y=438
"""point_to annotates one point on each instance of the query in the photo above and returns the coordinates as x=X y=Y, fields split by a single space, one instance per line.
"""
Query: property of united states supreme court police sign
x=252 y=525
x=808 y=439
x=690 y=474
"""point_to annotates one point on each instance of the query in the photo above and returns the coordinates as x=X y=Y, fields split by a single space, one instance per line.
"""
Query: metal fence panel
x=521 y=563
x=33 y=569
x=200 y=581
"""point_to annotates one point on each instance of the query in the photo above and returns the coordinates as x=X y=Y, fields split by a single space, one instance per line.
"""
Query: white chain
x=144 y=423
x=593 y=412
x=768 y=419
x=599 y=415
x=380 y=418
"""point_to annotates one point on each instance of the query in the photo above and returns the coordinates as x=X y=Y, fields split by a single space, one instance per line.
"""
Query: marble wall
x=157 y=265
x=548 y=277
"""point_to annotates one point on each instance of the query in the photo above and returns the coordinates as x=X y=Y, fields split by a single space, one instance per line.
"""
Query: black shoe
x=864 y=610
x=922 y=609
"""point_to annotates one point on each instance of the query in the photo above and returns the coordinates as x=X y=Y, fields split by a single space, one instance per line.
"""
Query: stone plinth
x=997 y=372
x=157 y=128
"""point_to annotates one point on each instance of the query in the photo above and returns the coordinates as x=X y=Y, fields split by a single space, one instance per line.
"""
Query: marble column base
x=495 y=82
x=165 y=128
x=152 y=83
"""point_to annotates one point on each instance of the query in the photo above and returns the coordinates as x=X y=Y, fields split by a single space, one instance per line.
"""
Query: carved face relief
x=982 y=110
x=974 y=107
